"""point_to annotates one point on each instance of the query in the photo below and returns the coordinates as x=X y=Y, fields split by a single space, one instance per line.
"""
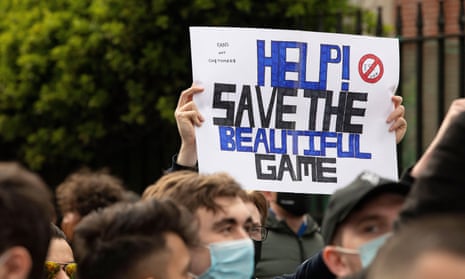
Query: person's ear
x=69 y=222
x=18 y=263
x=335 y=262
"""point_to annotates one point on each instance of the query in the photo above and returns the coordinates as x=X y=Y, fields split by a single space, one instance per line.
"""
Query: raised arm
x=457 y=107
x=439 y=176
x=187 y=117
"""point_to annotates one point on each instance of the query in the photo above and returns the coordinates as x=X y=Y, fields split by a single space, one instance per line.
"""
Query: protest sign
x=294 y=111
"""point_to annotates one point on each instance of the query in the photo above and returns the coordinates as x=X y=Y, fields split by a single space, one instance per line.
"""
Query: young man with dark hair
x=83 y=192
x=149 y=239
x=60 y=262
x=218 y=203
x=437 y=180
x=25 y=212
x=356 y=215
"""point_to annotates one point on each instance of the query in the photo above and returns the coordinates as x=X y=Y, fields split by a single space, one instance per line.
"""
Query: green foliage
x=81 y=78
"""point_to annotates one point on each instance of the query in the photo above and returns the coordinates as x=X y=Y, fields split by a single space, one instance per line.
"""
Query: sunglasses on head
x=52 y=269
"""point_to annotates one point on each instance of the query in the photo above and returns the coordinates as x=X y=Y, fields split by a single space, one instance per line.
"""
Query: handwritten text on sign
x=298 y=128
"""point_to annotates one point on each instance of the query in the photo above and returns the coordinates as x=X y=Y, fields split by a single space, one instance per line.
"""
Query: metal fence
x=432 y=74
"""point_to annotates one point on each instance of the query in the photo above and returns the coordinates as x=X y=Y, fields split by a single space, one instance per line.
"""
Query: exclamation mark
x=345 y=68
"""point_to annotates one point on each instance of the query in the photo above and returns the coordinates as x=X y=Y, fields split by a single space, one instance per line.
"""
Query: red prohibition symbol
x=370 y=68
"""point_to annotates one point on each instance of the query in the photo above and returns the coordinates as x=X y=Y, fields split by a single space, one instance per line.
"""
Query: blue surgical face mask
x=231 y=260
x=369 y=250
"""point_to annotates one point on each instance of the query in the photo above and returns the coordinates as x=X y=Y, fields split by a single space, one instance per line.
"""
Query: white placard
x=294 y=111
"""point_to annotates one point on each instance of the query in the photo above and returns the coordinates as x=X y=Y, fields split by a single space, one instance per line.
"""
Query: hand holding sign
x=399 y=124
x=187 y=117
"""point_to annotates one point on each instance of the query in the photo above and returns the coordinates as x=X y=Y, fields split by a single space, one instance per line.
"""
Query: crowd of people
x=191 y=225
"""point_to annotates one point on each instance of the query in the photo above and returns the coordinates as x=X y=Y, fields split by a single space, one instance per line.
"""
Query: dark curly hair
x=86 y=191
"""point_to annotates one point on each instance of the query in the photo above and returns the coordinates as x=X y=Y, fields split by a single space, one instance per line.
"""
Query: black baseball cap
x=343 y=201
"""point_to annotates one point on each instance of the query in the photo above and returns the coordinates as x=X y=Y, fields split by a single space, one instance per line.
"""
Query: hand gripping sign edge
x=367 y=75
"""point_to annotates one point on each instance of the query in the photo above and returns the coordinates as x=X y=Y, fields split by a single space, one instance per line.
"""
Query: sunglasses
x=52 y=269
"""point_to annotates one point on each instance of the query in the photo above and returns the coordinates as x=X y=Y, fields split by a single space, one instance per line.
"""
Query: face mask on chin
x=367 y=252
x=231 y=260
x=294 y=203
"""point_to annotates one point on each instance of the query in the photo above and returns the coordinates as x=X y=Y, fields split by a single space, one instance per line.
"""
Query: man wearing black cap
x=437 y=179
x=357 y=215
x=437 y=190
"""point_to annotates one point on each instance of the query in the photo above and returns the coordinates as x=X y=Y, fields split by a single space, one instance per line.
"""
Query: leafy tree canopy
x=81 y=78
